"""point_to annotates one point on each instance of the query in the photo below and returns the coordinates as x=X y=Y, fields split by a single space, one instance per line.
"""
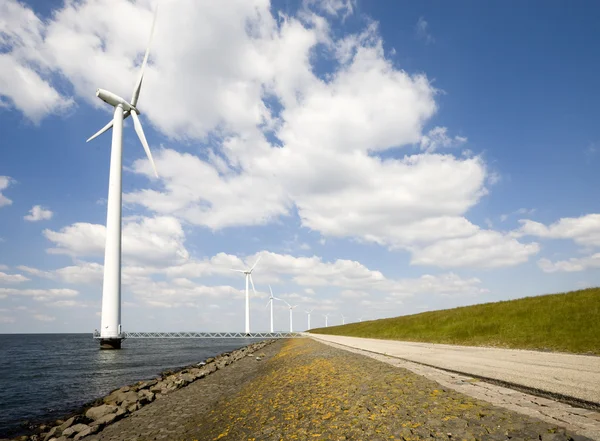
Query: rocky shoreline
x=128 y=399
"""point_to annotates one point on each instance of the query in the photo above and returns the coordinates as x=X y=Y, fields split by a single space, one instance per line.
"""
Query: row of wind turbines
x=249 y=282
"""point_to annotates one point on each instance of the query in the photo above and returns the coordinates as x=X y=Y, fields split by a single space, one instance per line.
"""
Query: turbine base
x=110 y=343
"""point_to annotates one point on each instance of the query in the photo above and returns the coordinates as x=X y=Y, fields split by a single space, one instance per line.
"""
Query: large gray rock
x=188 y=378
x=74 y=429
x=86 y=432
x=66 y=424
x=51 y=433
x=99 y=411
x=104 y=420
x=119 y=396
x=145 y=396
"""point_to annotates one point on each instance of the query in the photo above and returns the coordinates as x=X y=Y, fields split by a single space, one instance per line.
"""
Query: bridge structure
x=212 y=335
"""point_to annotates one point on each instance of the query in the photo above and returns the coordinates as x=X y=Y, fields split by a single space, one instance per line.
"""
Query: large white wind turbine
x=343 y=319
x=248 y=274
x=308 y=311
x=271 y=298
x=326 y=317
x=111 y=332
x=291 y=309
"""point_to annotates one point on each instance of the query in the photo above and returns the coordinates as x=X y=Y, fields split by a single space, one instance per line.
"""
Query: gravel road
x=573 y=376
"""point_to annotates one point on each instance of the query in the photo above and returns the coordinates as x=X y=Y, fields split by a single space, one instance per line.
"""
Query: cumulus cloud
x=38 y=213
x=12 y=278
x=4 y=183
x=185 y=284
x=484 y=249
x=282 y=139
x=145 y=240
x=583 y=230
x=24 y=68
x=438 y=138
x=39 y=294
x=574 y=264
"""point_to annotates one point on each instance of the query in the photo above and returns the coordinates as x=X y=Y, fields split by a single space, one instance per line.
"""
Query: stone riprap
x=128 y=399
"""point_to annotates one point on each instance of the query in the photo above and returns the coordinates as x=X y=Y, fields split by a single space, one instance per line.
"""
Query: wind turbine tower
x=326 y=317
x=271 y=298
x=308 y=311
x=343 y=319
x=111 y=332
x=291 y=309
x=248 y=274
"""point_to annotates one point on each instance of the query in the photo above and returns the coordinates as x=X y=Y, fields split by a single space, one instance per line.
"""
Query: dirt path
x=305 y=390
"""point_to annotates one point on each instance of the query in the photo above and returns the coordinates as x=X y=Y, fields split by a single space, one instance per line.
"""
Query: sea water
x=46 y=376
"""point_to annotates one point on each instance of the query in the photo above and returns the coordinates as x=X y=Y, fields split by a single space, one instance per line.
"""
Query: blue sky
x=383 y=158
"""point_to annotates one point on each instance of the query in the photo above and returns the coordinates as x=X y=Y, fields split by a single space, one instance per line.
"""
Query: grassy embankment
x=568 y=322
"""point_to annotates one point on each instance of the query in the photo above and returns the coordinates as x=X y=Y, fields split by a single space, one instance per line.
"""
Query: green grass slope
x=568 y=322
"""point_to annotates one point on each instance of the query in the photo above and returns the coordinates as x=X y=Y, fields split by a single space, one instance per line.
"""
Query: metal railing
x=96 y=335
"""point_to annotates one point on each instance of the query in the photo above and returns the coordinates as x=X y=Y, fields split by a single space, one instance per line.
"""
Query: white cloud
x=39 y=294
x=12 y=278
x=183 y=285
x=422 y=31
x=7 y=320
x=3 y=267
x=484 y=249
x=584 y=230
x=23 y=68
x=145 y=240
x=44 y=317
x=5 y=181
x=574 y=264
x=438 y=138
x=332 y=7
x=38 y=213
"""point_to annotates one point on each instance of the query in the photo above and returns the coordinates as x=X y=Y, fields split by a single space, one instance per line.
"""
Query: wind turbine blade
x=271 y=290
x=237 y=270
x=267 y=305
x=138 y=86
x=101 y=131
x=255 y=263
x=252 y=282
x=140 y=132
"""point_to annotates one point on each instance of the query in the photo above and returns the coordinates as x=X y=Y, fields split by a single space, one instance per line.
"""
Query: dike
x=127 y=400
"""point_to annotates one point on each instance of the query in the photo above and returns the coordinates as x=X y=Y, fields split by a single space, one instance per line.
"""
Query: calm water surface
x=46 y=376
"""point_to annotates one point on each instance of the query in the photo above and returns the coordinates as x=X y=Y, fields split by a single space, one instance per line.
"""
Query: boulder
x=74 y=429
x=66 y=424
x=119 y=396
x=103 y=421
x=188 y=378
x=86 y=432
x=145 y=396
x=98 y=412
x=133 y=407
x=51 y=433
x=156 y=388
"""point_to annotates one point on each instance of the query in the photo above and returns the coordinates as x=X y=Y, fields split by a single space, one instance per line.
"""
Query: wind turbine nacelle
x=114 y=100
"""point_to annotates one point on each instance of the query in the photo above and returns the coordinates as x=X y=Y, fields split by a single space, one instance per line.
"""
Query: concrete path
x=576 y=377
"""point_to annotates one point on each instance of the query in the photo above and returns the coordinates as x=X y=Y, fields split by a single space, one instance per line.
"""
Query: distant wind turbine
x=271 y=298
x=326 y=317
x=291 y=318
x=110 y=328
x=343 y=319
x=308 y=311
x=248 y=273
